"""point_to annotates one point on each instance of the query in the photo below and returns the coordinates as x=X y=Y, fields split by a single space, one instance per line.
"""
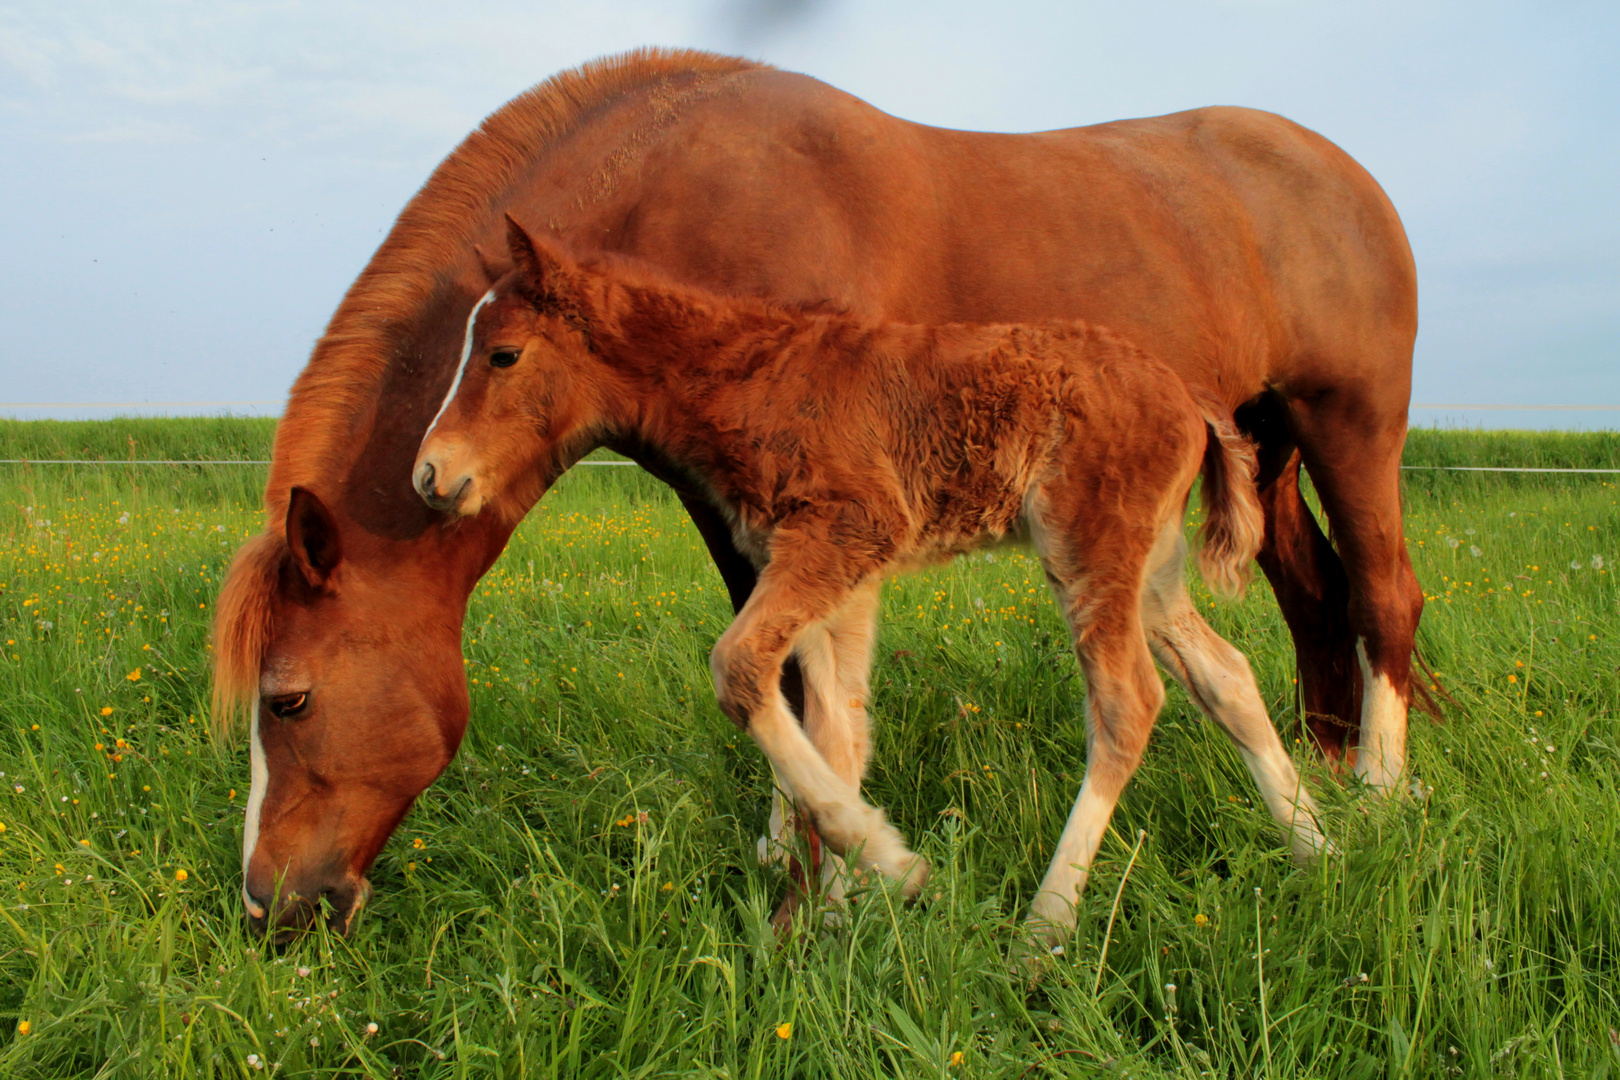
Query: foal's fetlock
x=886 y=852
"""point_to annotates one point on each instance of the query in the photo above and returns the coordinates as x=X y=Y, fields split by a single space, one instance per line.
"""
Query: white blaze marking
x=461 y=368
x=1382 y=754
x=250 y=832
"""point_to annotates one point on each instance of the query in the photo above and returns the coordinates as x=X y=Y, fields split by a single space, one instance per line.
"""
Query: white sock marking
x=461 y=368
x=1381 y=757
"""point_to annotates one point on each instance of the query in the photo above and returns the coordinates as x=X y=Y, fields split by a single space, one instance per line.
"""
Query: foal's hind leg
x=1217 y=677
x=1099 y=591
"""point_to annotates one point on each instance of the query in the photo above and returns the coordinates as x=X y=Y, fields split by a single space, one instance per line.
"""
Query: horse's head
x=527 y=398
x=353 y=678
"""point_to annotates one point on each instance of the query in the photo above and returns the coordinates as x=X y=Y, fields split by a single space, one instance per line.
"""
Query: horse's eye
x=288 y=706
x=503 y=358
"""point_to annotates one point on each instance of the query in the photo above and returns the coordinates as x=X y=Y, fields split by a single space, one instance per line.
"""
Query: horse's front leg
x=792 y=595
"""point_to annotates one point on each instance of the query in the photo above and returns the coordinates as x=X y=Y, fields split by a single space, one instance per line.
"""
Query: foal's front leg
x=835 y=656
x=794 y=593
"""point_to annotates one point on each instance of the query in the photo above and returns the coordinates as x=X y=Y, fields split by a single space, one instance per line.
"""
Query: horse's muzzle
x=295 y=913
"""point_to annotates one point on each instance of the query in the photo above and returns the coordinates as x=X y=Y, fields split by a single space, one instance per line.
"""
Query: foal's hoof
x=914 y=877
x=1036 y=950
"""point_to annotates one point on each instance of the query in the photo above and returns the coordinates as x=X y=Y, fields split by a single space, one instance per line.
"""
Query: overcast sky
x=187 y=188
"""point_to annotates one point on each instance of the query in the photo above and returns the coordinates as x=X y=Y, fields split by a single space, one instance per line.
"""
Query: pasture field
x=578 y=896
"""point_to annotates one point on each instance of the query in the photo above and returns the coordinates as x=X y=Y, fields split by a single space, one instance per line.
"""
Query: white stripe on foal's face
x=260 y=773
x=461 y=368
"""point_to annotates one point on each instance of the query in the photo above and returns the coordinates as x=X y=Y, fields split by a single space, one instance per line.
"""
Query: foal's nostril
x=425 y=475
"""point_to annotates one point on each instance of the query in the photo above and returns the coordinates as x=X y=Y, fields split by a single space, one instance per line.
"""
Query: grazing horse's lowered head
x=354 y=683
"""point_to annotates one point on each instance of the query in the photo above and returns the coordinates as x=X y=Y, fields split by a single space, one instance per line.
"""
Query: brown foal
x=844 y=449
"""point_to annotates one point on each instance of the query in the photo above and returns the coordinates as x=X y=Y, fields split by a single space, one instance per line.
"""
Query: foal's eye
x=287 y=706
x=503 y=358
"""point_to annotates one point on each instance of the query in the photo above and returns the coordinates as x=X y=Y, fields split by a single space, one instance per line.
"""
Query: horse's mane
x=336 y=394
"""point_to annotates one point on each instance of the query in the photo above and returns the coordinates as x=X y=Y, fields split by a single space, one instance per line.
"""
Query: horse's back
x=1244 y=249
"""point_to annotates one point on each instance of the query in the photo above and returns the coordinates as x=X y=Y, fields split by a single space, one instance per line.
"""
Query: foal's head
x=527 y=399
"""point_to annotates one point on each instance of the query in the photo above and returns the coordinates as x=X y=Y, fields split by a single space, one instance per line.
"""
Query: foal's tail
x=1234 y=525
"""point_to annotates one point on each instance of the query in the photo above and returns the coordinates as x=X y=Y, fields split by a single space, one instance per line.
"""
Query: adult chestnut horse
x=1255 y=257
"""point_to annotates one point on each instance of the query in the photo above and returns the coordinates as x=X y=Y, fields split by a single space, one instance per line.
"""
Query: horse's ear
x=544 y=271
x=312 y=536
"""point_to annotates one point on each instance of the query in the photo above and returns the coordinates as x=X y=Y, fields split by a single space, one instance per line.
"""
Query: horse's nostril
x=425 y=477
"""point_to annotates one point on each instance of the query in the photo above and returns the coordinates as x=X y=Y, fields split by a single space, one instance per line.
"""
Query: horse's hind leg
x=1308 y=581
x=1217 y=677
x=1354 y=456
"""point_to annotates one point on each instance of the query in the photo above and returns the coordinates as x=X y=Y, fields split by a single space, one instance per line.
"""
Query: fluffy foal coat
x=844 y=450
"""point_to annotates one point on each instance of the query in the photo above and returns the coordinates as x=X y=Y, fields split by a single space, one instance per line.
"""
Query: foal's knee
x=736 y=682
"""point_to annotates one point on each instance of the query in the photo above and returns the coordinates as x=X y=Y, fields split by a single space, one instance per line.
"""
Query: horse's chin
x=343 y=922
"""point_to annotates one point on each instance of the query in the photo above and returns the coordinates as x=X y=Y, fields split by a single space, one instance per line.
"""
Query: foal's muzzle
x=426 y=481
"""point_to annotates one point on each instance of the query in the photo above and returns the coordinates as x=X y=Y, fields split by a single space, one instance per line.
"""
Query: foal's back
x=941 y=432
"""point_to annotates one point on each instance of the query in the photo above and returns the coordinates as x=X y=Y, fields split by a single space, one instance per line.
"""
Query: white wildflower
x=1474 y=551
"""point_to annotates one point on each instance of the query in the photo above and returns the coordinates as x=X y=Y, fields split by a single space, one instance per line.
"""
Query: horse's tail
x=1234 y=525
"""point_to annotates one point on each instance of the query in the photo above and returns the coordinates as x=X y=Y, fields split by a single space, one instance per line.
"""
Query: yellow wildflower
x=785 y=1031
x=956 y=1059
x=180 y=875
x=134 y=676
x=106 y=710
x=1200 y=919
x=24 y=1027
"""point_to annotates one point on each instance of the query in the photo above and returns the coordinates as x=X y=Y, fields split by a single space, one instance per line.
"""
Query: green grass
x=543 y=927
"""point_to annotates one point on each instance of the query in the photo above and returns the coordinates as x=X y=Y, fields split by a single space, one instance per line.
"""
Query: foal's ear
x=312 y=535
x=544 y=270
x=493 y=271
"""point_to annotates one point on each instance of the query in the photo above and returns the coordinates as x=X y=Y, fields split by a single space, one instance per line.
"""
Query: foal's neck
x=666 y=333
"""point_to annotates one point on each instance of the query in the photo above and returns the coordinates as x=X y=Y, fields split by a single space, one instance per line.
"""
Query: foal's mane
x=334 y=399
